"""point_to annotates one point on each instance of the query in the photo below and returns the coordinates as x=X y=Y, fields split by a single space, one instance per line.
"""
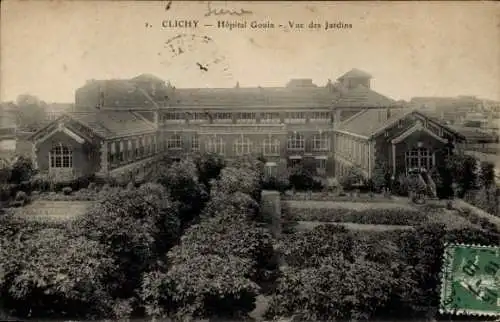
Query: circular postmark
x=196 y=55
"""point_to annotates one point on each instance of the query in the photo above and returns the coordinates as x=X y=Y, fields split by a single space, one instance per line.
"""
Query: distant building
x=55 y=110
x=120 y=127
x=7 y=132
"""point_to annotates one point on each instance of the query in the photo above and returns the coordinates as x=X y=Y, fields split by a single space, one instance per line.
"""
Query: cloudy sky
x=412 y=49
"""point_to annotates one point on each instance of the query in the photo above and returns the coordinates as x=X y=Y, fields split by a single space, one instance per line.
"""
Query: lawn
x=60 y=211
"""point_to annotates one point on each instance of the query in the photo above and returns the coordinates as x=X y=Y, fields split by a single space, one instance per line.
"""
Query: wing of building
x=120 y=127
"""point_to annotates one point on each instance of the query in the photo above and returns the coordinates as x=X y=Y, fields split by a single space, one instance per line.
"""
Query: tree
x=22 y=170
x=134 y=226
x=49 y=273
x=486 y=176
x=181 y=182
x=204 y=286
x=209 y=167
x=463 y=170
x=31 y=112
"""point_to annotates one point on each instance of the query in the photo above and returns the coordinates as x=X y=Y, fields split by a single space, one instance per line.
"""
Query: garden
x=196 y=243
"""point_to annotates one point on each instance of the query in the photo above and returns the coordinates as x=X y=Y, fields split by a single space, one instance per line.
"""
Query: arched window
x=270 y=146
x=419 y=158
x=215 y=145
x=242 y=146
x=61 y=156
x=321 y=142
x=174 y=142
x=296 y=142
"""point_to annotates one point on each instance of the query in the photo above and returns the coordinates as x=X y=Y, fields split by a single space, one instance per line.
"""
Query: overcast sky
x=49 y=49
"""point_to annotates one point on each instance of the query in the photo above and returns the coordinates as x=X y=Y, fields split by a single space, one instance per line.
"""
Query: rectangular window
x=195 y=143
x=198 y=117
x=174 y=117
x=321 y=165
x=271 y=169
x=295 y=117
x=245 y=117
x=320 y=117
x=222 y=118
x=270 y=117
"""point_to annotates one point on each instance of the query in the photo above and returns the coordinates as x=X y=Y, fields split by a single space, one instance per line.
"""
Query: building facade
x=121 y=127
x=403 y=139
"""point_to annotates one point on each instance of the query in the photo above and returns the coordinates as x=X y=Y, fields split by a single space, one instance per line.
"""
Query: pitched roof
x=306 y=97
x=364 y=97
x=118 y=93
x=108 y=124
x=355 y=73
x=369 y=122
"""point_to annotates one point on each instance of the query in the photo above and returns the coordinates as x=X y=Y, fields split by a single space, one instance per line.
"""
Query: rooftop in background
x=148 y=91
x=475 y=134
x=355 y=73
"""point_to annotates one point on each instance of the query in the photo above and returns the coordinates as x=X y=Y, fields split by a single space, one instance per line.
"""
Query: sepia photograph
x=249 y=160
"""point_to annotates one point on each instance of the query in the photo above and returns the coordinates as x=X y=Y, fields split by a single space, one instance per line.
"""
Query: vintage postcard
x=249 y=160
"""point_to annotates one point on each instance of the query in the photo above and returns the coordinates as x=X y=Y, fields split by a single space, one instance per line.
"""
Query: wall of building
x=85 y=156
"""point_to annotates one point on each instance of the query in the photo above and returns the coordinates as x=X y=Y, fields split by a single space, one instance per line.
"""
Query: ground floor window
x=420 y=158
x=321 y=166
x=271 y=169
x=61 y=156
x=294 y=162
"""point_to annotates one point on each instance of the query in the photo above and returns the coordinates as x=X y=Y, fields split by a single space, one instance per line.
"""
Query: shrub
x=336 y=289
x=203 y=286
x=50 y=274
x=352 y=177
x=369 y=216
x=307 y=249
x=67 y=191
x=134 y=226
x=22 y=170
x=21 y=196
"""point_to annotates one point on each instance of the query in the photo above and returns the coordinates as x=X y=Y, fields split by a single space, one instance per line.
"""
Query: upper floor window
x=198 y=117
x=271 y=146
x=320 y=117
x=321 y=142
x=245 y=117
x=174 y=142
x=242 y=146
x=112 y=155
x=296 y=142
x=270 y=117
x=222 y=117
x=174 y=116
x=61 y=156
x=216 y=145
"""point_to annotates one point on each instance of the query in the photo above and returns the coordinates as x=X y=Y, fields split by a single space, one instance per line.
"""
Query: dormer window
x=386 y=134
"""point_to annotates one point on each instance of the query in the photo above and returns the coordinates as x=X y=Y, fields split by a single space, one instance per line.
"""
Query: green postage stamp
x=470 y=282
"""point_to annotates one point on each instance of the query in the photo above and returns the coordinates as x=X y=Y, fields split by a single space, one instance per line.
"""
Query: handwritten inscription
x=211 y=11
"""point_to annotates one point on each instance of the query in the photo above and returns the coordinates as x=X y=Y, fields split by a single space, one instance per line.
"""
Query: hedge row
x=216 y=269
x=391 y=216
x=335 y=274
